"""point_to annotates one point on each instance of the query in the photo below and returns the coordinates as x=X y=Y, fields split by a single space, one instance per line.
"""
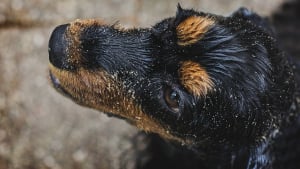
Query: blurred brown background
x=39 y=128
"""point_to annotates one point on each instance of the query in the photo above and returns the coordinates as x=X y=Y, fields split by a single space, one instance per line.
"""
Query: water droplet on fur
x=293 y=106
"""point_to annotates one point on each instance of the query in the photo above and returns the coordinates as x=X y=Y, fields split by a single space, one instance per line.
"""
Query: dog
x=210 y=91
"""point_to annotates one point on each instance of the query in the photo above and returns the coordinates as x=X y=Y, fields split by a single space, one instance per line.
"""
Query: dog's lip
x=55 y=81
x=57 y=85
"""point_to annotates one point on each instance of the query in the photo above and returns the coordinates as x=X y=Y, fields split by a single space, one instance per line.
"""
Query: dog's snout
x=58 y=47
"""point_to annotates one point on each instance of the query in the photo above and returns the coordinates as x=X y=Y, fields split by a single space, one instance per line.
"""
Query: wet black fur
x=255 y=89
x=249 y=120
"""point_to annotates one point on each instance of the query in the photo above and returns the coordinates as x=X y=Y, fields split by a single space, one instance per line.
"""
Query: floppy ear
x=262 y=22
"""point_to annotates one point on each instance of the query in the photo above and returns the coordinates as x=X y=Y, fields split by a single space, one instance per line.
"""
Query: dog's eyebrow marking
x=192 y=29
x=195 y=78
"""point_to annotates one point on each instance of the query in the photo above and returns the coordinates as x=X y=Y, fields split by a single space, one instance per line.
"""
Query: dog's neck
x=252 y=156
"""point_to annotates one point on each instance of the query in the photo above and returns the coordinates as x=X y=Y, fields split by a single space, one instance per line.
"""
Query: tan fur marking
x=195 y=78
x=192 y=29
x=73 y=34
x=101 y=91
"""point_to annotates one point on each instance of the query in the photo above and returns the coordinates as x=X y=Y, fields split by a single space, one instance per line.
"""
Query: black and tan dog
x=219 y=86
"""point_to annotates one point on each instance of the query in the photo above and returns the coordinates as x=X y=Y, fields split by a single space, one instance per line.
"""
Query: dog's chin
x=56 y=84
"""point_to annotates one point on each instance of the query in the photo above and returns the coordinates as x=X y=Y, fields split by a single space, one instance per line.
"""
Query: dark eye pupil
x=172 y=99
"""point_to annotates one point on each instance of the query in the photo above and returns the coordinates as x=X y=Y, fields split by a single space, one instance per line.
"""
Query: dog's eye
x=172 y=99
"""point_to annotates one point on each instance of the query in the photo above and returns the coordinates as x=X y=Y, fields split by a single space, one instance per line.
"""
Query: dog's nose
x=58 y=47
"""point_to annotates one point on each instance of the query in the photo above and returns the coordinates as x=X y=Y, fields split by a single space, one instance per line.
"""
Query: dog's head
x=196 y=78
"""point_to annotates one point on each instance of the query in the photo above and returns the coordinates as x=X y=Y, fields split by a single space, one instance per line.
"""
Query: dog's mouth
x=56 y=84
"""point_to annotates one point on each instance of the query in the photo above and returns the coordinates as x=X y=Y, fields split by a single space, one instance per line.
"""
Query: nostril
x=57 y=47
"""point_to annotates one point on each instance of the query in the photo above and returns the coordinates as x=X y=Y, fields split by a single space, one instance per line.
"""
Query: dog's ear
x=179 y=9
